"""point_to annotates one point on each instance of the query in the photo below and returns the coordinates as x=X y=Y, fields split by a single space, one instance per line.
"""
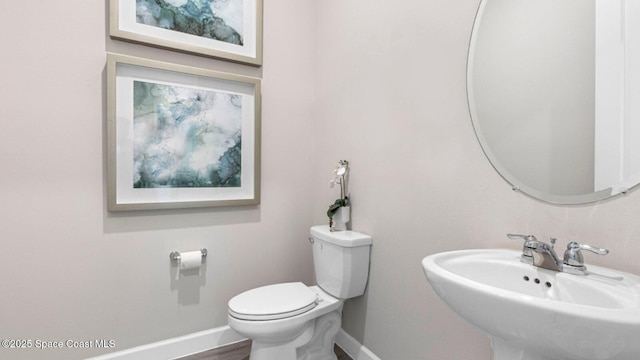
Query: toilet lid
x=273 y=302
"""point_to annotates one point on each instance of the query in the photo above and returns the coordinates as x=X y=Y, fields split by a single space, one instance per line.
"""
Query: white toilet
x=292 y=321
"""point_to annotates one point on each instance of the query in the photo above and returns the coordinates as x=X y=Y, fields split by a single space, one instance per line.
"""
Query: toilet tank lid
x=345 y=238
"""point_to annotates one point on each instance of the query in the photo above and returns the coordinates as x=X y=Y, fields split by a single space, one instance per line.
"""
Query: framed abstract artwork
x=225 y=29
x=180 y=137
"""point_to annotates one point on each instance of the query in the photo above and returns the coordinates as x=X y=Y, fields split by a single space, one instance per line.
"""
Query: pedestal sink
x=532 y=313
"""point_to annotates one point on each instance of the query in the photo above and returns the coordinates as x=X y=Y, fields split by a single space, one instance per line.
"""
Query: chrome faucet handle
x=573 y=254
x=530 y=242
x=593 y=249
x=523 y=237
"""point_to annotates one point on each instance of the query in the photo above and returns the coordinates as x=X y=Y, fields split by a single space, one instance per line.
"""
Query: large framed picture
x=225 y=29
x=180 y=137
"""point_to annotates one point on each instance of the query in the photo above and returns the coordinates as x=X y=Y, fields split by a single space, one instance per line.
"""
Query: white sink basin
x=532 y=313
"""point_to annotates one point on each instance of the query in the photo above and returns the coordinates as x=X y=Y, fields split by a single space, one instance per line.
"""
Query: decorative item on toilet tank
x=339 y=212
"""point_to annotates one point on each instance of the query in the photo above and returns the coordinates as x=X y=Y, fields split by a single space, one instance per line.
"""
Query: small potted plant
x=339 y=212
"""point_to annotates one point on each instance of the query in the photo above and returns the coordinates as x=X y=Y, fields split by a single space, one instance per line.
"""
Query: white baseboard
x=353 y=348
x=177 y=347
x=214 y=338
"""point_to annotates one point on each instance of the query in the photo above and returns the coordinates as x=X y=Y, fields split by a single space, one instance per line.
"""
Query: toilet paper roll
x=190 y=260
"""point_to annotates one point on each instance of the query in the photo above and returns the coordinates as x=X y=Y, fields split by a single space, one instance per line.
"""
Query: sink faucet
x=541 y=254
x=538 y=253
x=545 y=256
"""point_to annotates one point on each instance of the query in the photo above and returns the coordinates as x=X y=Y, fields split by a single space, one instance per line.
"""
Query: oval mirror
x=554 y=95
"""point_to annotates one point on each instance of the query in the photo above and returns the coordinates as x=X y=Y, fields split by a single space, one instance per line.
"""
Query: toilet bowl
x=292 y=321
x=288 y=333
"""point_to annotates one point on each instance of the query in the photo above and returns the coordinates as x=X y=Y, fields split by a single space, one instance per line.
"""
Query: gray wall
x=388 y=94
x=75 y=271
x=391 y=99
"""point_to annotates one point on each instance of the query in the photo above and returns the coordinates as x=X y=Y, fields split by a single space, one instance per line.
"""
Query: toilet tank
x=341 y=261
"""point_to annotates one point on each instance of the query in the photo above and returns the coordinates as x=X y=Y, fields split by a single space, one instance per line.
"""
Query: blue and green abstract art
x=186 y=137
x=220 y=20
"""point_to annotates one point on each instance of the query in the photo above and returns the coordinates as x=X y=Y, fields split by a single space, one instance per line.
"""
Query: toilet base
x=314 y=343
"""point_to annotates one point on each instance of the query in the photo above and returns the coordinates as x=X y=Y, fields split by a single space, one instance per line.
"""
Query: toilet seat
x=273 y=302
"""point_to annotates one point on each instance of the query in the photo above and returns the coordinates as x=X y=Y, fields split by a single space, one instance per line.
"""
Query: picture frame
x=180 y=137
x=224 y=29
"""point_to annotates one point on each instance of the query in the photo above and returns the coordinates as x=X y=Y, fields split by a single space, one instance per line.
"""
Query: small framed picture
x=180 y=137
x=225 y=29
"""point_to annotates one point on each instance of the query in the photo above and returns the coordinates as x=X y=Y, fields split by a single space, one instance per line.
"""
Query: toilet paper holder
x=175 y=256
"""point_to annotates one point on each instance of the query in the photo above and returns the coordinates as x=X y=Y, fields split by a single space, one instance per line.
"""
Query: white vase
x=341 y=218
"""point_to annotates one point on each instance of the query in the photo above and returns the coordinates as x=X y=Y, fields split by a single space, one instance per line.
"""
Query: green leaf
x=333 y=208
